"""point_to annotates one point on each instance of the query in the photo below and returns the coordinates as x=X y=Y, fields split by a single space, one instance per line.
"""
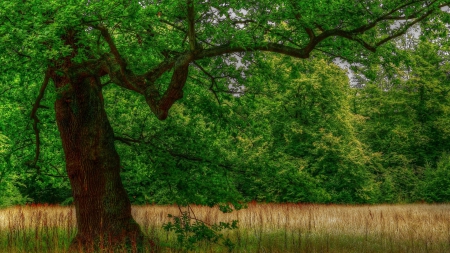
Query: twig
x=213 y=81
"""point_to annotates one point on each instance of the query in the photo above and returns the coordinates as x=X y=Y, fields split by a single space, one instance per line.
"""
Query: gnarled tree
x=149 y=47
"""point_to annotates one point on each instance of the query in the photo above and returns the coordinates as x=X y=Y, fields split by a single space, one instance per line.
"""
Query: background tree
x=148 y=48
x=406 y=113
x=300 y=132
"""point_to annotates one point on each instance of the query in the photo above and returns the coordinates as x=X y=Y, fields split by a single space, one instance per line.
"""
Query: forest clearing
x=262 y=228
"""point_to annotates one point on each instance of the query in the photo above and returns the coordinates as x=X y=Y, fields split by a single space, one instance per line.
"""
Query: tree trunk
x=103 y=210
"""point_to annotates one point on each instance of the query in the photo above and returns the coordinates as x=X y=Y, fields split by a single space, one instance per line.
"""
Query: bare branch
x=298 y=17
x=319 y=27
x=173 y=153
x=348 y=36
x=145 y=84
x=127 y=141
x=58 y=171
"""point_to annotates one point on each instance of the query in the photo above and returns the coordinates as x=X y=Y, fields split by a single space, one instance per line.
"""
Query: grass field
x=262 y=228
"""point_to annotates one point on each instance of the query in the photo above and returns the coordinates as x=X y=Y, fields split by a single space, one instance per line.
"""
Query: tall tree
x=321 y=131
x=406 y=108
x=150 y=47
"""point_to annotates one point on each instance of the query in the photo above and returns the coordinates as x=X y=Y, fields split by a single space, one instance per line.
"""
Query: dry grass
x=262 y=228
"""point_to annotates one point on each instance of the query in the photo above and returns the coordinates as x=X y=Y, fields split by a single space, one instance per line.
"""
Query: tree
x=150 y=48
x=406 y=114
x=301 y=133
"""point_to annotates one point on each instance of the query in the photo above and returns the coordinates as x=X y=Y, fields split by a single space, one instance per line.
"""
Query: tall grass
x=262 y=228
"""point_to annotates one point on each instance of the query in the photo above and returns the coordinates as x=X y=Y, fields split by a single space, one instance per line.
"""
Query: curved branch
x=105 y=33
x=145 y=84
x=33 y=116
x=121 y=74
x=160 y=105
x=315 y=40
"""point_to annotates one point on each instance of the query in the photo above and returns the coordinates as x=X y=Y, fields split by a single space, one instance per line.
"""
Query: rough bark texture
x=103 y=209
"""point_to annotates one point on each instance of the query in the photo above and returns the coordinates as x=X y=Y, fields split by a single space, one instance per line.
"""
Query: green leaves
x=436 y=183
x=4 y=144
x=289 y=134
x=190 y=231
x=404 y=106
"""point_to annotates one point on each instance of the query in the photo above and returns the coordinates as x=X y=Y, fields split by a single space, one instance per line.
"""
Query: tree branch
x=6 y=90
x=310 y=33
x=160 y=105
x=173 y=25
x=105 y=33
x=120 y=75
x=269 y=47
x=33 y=116
x=213 y=80
x=403 y=31
x=191 y=24
x=242 y=22
x=334 y=55
x=145 y=84
x=129 y=141
x=20 y=53
x=298 y=17
x=384 y=17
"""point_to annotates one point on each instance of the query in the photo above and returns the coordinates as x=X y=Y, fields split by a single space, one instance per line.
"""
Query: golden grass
x=262 y=227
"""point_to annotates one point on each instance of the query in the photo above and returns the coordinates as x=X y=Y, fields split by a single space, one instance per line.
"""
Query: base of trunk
x=125 y=240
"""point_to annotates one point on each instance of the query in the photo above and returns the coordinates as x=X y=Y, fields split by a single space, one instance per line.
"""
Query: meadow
x=262 y=228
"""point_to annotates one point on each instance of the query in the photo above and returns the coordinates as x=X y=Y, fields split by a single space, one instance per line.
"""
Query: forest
x=108 y=104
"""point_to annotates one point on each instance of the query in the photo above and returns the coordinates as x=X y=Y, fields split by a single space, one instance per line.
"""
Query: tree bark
x=103 y=209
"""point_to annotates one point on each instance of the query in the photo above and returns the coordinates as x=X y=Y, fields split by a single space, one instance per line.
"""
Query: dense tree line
x=305 y=135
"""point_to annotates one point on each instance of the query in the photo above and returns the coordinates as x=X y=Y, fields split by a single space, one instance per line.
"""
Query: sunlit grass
x=262 y=228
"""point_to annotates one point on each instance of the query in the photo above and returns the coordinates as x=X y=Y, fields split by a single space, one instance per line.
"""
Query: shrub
x=436 y=184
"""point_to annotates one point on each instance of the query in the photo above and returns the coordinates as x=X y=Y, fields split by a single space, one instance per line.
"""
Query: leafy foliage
x=307 y=129
x=405 y=114
x=190 y=230
x=436 y=183
x=247 y=125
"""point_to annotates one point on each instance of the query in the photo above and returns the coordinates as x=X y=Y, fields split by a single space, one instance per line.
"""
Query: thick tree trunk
x=103 y=209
